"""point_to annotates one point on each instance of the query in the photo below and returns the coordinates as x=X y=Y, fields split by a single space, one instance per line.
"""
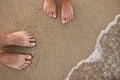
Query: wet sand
x=104 y=61
x=59 y=47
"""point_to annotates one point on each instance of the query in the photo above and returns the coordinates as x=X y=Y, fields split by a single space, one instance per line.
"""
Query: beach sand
x=59 y=47
x=104 y=61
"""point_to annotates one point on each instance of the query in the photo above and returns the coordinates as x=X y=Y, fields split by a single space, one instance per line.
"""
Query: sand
x=59 y=47
x=104 y=61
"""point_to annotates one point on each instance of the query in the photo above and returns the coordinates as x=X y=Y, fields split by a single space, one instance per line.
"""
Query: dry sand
x=59 y=47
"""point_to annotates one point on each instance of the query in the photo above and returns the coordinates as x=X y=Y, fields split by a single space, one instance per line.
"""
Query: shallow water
x=104 y=62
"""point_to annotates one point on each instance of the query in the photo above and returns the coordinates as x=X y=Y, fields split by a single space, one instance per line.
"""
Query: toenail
x=33 y=44
x=30 y=57
x=63 y=22
x=54 y=16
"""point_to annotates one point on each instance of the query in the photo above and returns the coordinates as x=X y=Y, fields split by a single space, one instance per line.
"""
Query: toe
x=28 y=62
x=54 y=13
x=50 y=13
x=32 y=44
x=19 y=68
x=28 y=57
x=67 y=20
x=32 y=40
x=63 y=20
x=26 y=65
x=22 y=66
x=47 y=13
x=71 y=17
x=31 y=37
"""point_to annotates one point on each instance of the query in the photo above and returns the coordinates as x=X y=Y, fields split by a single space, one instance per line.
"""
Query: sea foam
x=96 y=55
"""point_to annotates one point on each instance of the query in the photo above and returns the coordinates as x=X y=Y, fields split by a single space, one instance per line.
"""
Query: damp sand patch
x=104 y=62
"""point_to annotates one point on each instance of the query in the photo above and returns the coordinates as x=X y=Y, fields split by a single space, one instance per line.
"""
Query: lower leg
x=66 y=11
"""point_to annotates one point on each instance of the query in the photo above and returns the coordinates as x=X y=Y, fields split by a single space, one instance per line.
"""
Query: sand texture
x=59 y=47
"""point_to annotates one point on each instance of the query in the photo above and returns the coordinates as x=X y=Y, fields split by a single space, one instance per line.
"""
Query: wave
x=96 y=55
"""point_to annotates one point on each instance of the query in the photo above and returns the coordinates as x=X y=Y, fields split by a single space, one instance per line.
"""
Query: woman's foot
x=50 y=8
x=16 y=61
x=21 y=38
x=66 y=11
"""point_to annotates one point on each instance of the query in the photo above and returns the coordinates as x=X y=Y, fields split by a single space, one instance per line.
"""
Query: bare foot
x=66 y=11
x=21 y=38
x=16 y=61
x=50 y=8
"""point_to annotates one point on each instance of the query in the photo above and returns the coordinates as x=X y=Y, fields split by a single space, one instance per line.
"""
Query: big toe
x=28 y=57
x=54 y=13
x=63 y=20
x=31 y=44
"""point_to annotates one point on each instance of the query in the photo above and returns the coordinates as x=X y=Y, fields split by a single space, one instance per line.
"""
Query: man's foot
x=21 y=38
x=16 y=61
x=66 y=11
x=50 y=8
